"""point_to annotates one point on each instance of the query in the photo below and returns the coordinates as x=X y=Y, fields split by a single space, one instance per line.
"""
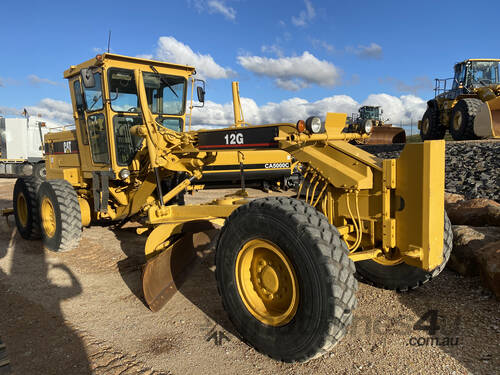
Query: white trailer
x=21 y=146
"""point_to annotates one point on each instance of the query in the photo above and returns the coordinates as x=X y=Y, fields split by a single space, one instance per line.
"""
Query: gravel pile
x=472 y=168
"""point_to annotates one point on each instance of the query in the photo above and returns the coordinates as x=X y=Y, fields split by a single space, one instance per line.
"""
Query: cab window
x=126 y=144
x=165 y=93
x=172 y=123
x=98 y=138
x=93 y=95
x=122 y=90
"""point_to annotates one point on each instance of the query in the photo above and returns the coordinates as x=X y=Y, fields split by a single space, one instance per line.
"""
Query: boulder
x=477 y=212
x=468 y=243
x=489 y=260
x=450 y=198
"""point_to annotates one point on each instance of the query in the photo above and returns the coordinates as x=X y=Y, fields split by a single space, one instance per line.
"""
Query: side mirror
x=87 y=78
x=201 y=94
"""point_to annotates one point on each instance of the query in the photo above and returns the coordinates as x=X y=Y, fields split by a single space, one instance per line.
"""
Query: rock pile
x=476 y=238
x=472 y=168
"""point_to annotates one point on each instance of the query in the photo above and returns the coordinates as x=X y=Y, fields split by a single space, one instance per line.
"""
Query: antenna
x=109 y=39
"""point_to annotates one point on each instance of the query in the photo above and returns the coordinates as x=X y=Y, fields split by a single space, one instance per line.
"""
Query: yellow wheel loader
x=285 y=267
x=470 y=108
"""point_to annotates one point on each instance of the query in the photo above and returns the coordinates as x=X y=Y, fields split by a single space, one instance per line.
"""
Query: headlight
x=368 y=126
x=314 y=125
x=124 y=173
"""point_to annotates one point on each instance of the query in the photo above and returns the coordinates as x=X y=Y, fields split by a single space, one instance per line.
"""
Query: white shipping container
x=20 y=138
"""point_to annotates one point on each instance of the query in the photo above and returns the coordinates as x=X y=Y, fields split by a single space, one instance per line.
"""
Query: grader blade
x=164 y=274
x=487 y=121
x=382 y=135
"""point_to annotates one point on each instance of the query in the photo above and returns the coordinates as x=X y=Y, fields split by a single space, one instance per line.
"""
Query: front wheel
x=400 y=276
x=60 y=216
x=462 y=119
x=285 y=278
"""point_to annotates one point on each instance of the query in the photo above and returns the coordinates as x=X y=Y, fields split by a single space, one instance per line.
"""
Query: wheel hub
x=457 y=120
x=266 y=282
x=48 y=217
x=22 y=209
x=425 y=126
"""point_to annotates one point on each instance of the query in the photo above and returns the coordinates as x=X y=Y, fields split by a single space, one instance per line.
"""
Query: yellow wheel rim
x=48 y=217
x=267 y=283
x=22 y=209
x=425 y=126
x=457 y=120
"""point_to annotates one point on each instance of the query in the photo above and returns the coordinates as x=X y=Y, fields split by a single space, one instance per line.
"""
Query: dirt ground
x=82 y=312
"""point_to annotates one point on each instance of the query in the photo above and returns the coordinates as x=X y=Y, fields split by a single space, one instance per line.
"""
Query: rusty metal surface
x=386 y=135
x=164 y=274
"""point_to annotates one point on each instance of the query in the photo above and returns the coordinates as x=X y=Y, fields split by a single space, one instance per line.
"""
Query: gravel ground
x=82 y=312
x=472 y=167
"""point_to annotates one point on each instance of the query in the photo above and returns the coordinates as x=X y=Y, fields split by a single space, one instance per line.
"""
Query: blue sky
x=292 y=58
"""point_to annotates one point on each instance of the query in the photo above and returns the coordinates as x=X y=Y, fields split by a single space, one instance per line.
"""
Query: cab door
x=95 y=119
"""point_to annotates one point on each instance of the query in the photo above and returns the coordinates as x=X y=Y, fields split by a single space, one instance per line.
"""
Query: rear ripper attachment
x=285 y=267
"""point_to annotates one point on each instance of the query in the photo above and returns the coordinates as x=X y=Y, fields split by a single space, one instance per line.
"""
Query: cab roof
x=465 y=61
x=111 y=58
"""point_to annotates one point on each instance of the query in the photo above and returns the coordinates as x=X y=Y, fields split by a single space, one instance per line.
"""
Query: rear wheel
x=462 y=119
x=61 y=223
x=396 y=275
x=431 y=127
x=285 y=278
x=26 y=207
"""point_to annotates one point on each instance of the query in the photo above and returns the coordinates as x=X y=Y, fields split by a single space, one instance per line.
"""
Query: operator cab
x=106 y=105
x=472 y=74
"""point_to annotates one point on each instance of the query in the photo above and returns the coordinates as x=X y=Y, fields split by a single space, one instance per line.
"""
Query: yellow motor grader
x=285 y=267
x=470 y=108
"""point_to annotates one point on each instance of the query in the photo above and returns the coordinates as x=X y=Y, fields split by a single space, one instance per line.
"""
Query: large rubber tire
x=26 y=207
x=403 y=277
x=60 y=216
x=39 y=171
x=323 y=269
x=462 y=119
x=431 y=127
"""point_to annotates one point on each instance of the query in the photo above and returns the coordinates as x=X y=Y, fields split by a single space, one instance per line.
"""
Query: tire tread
x=333 y=256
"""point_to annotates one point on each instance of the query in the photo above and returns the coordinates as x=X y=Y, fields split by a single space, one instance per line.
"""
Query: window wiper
x=163 y=80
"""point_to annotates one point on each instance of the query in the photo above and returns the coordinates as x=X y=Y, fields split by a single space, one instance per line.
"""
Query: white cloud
x=324 y=45
x=218 y=6
x=290 y=84
x=214 y=7
x=398 y=109
x=148 y=56
x=419 y=84
x=273 y=48
x=51 y=109
x=372 y=51
x=35 y=80
x=305 y=15
x=293 y=72
x=171 y=50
